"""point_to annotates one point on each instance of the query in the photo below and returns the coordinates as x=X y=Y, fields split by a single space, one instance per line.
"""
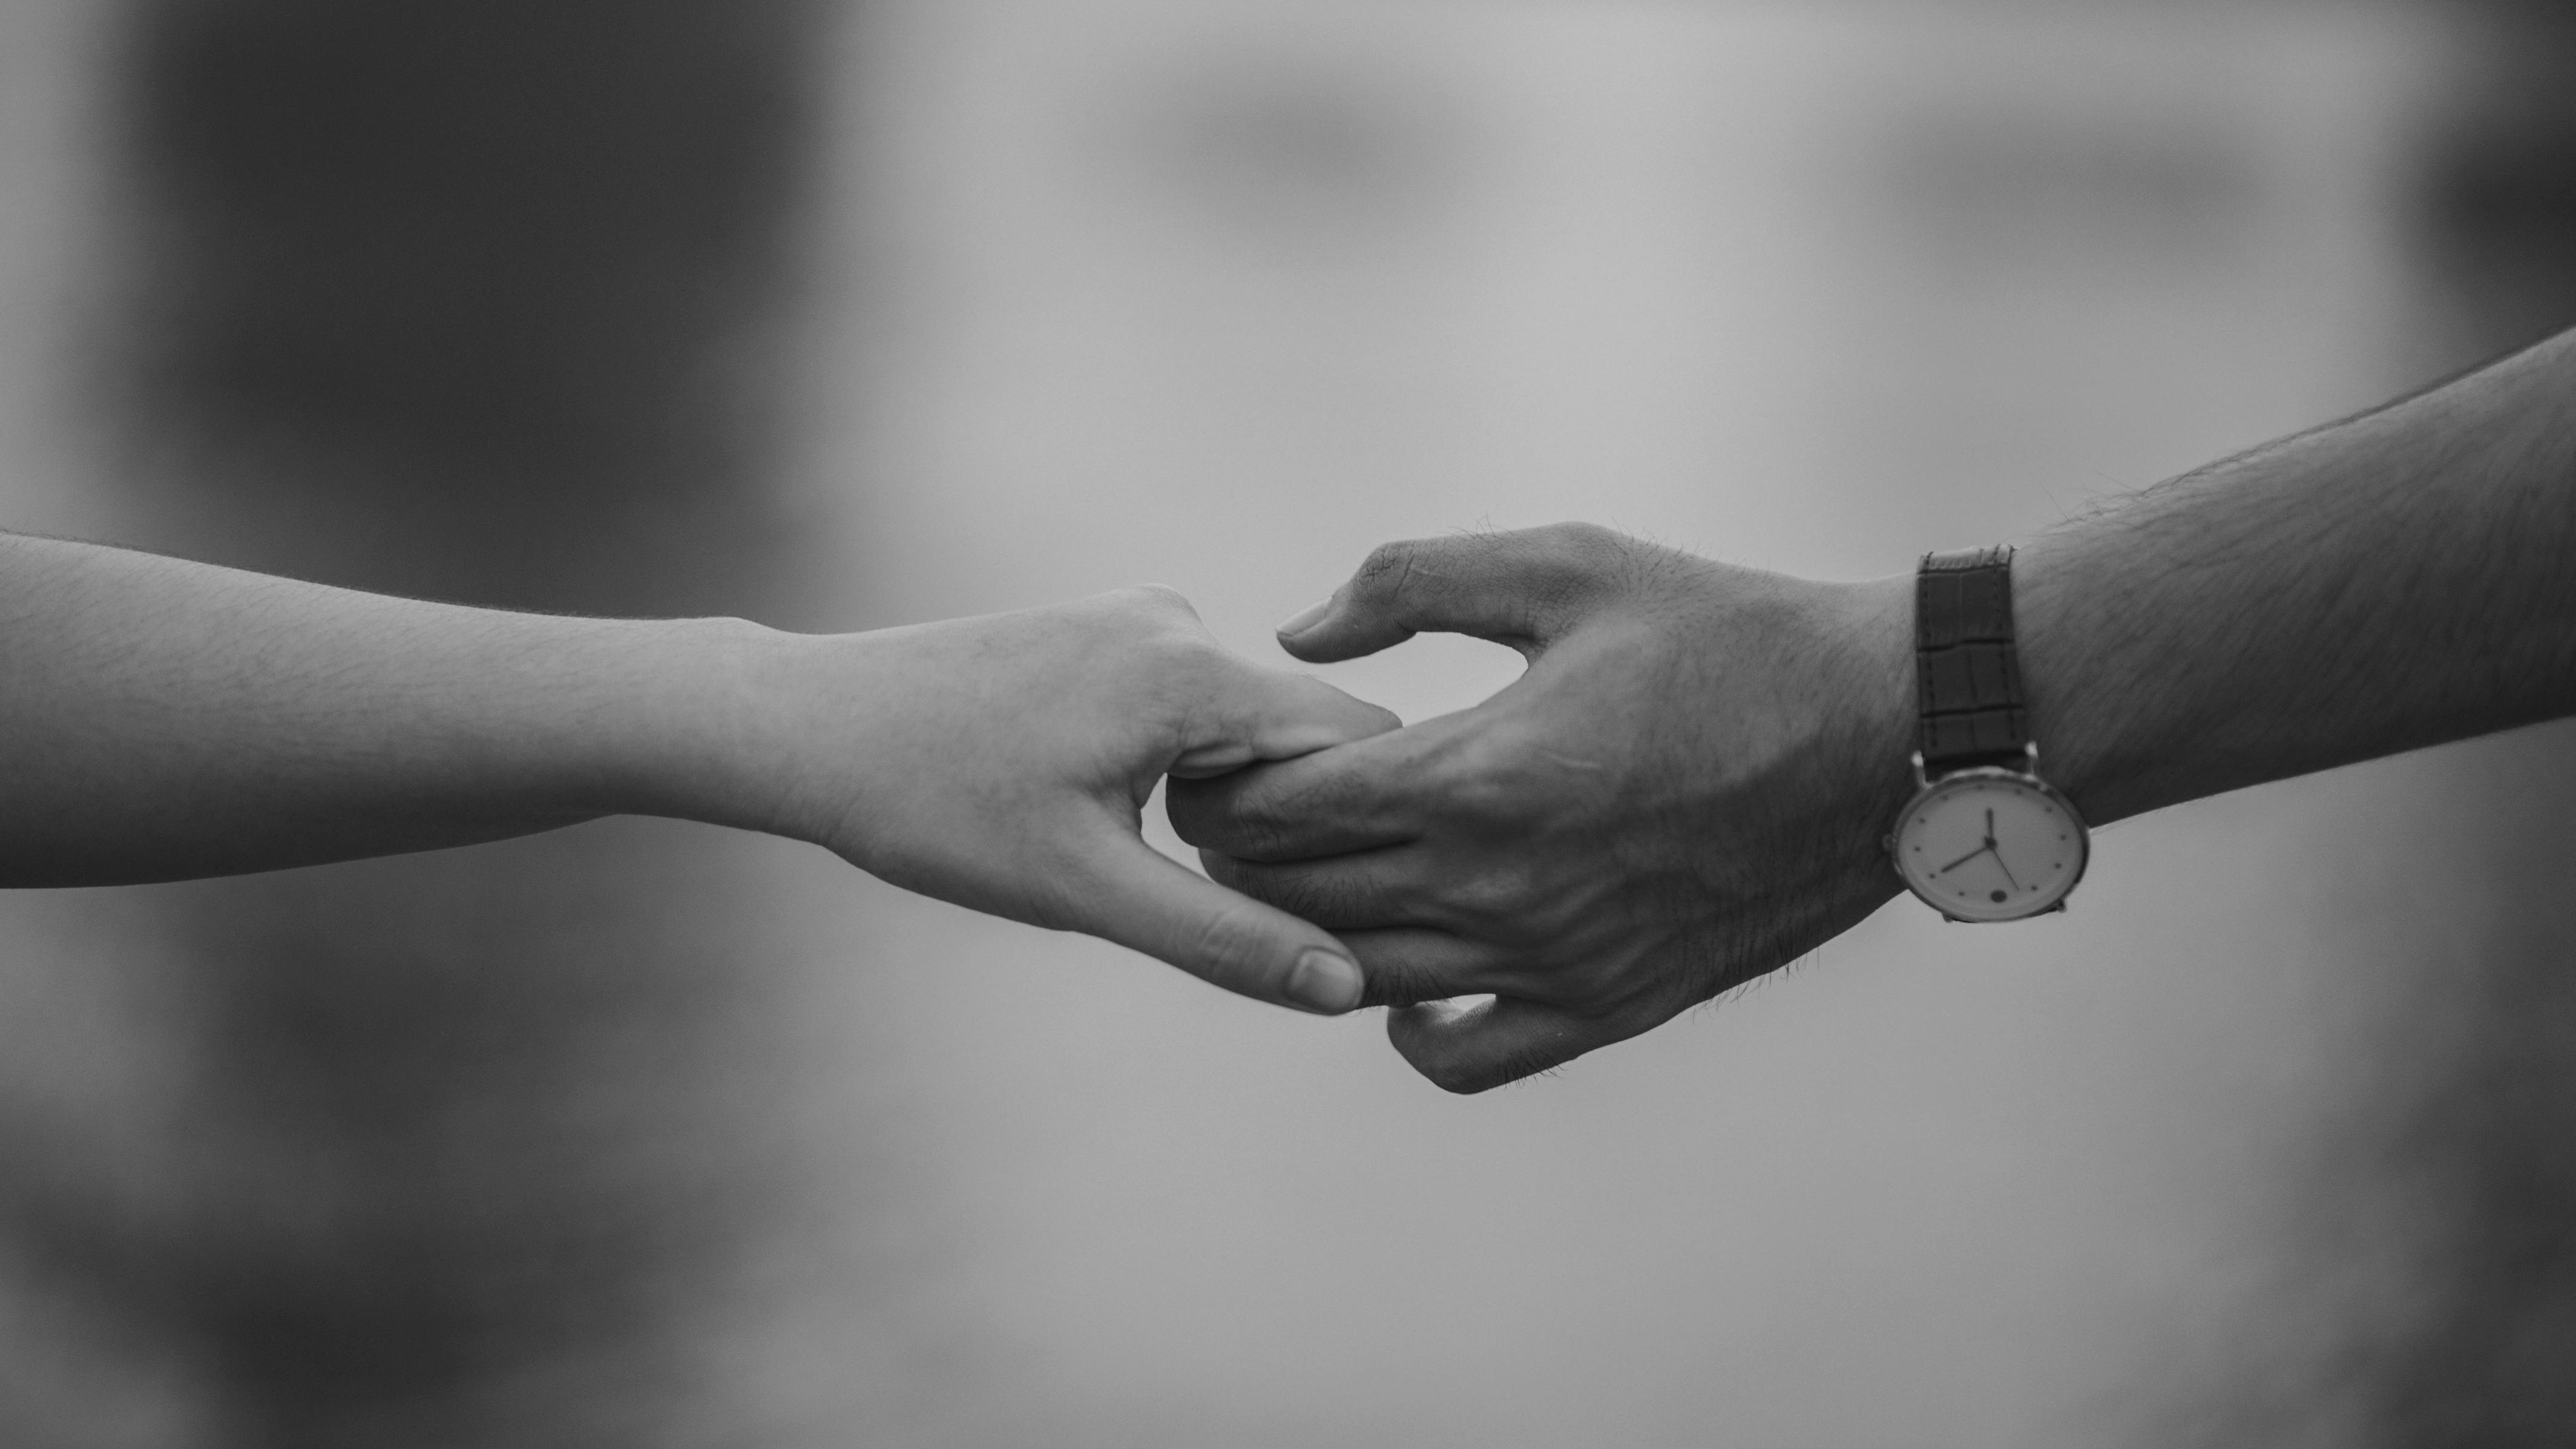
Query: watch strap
x=1967 y=672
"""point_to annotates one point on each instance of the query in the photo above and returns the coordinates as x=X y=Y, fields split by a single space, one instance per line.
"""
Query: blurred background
x=839 y=315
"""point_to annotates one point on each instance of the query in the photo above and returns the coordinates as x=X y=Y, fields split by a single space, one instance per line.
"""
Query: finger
x=1471 y=1046
x=1362 y=890
x=1141 y=899
x=1520 y=589
x=1357 y=797
x=1409 y=965
x=1268 y=714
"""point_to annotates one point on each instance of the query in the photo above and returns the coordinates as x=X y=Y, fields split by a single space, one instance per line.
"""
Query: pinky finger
x=1472 y=1046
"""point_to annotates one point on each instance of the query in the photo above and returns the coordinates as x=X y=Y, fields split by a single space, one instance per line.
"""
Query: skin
x=1690 y=784
x=169 y=719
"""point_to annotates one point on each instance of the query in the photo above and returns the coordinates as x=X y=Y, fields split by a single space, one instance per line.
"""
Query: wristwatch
x=1984 y=838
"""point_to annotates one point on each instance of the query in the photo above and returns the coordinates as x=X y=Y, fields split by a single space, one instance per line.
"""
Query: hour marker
x=1997 y=898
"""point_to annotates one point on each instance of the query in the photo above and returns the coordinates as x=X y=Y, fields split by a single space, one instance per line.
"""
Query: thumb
x=1144 y=900
x=1474 y=1044
x=1521 y=589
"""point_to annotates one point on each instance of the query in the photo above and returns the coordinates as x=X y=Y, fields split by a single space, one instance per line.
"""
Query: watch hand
x=1963 y=860
x=1990 y=829
x=2007 y=870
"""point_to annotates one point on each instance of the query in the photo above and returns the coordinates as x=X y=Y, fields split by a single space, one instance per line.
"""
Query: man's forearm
x=2398 y=580
x=1692 y=783
x=168 y=719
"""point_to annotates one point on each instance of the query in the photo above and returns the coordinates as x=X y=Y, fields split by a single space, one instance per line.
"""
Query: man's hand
x=1686 y=789
x=1002 y=763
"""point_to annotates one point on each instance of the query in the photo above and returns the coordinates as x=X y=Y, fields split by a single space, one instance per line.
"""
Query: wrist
x=704 y=735
x=1836 y=724
x=1985 y=838
x=1858 y=655
x=2084 y=749
x=1879 y=617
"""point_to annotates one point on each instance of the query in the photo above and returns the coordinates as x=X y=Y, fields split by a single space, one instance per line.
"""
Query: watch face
x=1990 y=845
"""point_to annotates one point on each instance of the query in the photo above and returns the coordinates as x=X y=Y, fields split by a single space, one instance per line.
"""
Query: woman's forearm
x=168 y=719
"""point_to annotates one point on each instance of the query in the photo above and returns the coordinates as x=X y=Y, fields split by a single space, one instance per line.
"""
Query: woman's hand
x=1002 y=763
x=169 y=719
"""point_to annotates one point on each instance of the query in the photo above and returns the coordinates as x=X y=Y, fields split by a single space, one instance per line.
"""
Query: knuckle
x=1499 y=774
x=1226 y=945
x=1186 y=661
x=1225 y=870
x=1303 y=893
x=1131 y=629
x=1157 y=598
x=1580 y=559
x=1210 y=814
x=1263 y=884
x=1500 y=892
x=1383 y=574
x=1577 y=539
x=1401 y=983
x=1151 y=624
x=1230 y=838
x=1262 y=839
x=1186 y=677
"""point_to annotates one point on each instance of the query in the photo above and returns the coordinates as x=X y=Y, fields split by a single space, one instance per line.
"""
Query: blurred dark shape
x=2466 y=1136
x=2000 y=196
x=2499 y=200
x=2481 y=1117
x=465 y=1150
x=2438 y=1302
x=465 y=300
x=504 y=262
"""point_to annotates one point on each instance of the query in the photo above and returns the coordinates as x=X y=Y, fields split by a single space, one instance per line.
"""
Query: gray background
x=645 y=1134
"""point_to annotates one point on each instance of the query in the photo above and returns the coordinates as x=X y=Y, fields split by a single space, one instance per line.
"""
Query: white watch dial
x=1990 y=845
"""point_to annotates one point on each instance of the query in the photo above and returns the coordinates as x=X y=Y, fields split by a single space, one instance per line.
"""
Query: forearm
x=2398 y=580
x=167 y=719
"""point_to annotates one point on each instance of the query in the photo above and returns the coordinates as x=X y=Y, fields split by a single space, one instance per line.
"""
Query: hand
x=1002 y=763
x=1686 y=789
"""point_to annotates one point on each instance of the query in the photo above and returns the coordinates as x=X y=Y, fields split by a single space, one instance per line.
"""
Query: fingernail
x=1325 y=983
x=1306 y=618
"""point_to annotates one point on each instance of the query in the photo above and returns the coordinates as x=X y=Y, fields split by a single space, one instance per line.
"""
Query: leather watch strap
x=1967 y=673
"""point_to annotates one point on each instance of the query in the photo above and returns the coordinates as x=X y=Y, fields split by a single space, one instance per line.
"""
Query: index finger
x=1253 y=714
x=1354 y=796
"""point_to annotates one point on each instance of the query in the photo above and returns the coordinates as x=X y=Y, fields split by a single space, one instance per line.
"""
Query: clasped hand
x=1683 y=791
